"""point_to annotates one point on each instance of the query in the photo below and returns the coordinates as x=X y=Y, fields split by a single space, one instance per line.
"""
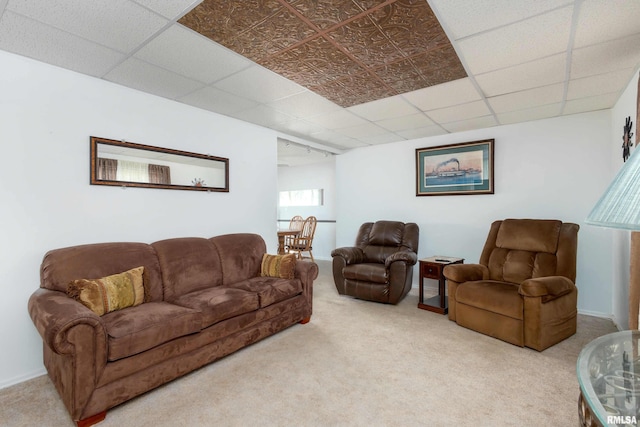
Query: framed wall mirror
x=126 y=164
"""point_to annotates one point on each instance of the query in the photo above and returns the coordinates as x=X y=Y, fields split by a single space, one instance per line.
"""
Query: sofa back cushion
x=188 y=264
x=240 y=256
x=61 y=266
x=379 y=240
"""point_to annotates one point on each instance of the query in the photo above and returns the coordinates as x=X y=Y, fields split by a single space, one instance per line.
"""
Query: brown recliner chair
x=380 y=266
x=523 y=290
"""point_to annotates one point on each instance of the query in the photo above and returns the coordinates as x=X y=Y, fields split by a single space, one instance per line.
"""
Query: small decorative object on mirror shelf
x=198 y=182
x=626 y=138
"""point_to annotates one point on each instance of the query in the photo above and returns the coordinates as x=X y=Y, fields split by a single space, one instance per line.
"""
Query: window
x=302 y=198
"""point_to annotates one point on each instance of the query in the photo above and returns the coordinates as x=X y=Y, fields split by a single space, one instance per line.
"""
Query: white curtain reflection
x=132 y=171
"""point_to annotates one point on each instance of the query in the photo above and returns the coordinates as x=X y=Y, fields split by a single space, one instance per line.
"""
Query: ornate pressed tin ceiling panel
x=349 y=51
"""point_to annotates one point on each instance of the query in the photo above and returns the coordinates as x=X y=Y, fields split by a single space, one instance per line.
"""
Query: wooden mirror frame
x=221 y=162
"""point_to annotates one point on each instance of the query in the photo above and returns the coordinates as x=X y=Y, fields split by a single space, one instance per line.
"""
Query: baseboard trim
x=23 y=378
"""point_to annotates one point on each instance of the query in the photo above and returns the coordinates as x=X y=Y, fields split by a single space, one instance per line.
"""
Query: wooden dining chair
x=294 y=224
x=303 y=241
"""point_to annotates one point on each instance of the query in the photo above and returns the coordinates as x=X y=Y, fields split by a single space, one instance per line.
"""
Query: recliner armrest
x=409 y=257
x=548 y=288
x=466 y=272
x=351 y=255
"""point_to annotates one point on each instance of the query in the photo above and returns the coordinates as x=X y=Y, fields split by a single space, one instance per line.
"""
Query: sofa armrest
x=54 y=315
x=75 y=342
x=410 y=258
x=465 y=272
x=307 y=272
x=351 y=255
x=548 y=288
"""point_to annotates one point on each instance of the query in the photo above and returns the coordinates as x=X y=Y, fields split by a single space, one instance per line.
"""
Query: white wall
x=620 y=255
x=555 y=168
x=46 y=118
x=317 y=175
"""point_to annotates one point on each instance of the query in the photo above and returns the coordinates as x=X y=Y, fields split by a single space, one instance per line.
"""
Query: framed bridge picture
x=455 y=169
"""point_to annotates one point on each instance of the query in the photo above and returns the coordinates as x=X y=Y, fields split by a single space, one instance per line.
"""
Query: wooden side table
x=431 y=268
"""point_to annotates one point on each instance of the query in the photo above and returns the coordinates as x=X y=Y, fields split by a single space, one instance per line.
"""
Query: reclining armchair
x=523 y=289
x=380 y=265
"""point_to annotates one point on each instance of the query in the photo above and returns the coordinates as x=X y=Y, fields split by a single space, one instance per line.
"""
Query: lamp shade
x=619 y=206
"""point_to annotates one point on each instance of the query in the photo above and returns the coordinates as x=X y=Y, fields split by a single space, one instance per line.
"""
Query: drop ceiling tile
x=334 y=137
x=527 y=98
x=259 y=84
x=187 y=53
x=353 y=90
x=464 y=17
x=412 y=26
x=447 y=94
x=384 y=138
x=304 y=104
x=264 y=116
x=439 y=65
x=386 y=108
x=327 y=13
x=600 y=102
x=224 y=21
x=541 y=72
x=278 y=31
x=512 y=45
x=471 y=124
x=431 y=68
x=216 y=100
x=337 y=120
x=140 y=75
x=169 y=9
x=606 y=57
x=423 y=132
x=459 y=112
x=36 y=40
x=363 y=131
x=604 y=20
x=302 y=127
x=529 y=114
x=599 y=85
x=418 y=120
x=94 y=20
x=314 y=63
x=363 y=39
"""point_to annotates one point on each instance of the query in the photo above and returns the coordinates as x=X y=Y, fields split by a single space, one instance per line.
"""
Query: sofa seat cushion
x=136 y=329
x=219 y=303
x=494 y=296
x=271 y=290
x=366 y=272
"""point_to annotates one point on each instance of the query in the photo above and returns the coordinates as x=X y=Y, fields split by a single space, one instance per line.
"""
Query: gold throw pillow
x=282 y=266
x=109 y=293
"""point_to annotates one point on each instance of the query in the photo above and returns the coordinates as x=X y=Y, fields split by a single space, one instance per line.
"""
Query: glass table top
x=608 y=371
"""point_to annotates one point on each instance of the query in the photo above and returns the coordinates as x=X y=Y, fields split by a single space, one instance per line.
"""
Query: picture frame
x=455 y=169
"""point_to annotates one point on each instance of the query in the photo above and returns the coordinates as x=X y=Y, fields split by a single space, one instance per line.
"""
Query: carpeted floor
x=356 y=363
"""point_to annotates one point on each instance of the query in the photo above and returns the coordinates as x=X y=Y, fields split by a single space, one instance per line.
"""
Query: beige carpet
x=356 y=363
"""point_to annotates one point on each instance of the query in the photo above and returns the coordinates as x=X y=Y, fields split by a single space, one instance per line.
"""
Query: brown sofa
x=380 y=266
x=204 y=299
x=523 y=289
